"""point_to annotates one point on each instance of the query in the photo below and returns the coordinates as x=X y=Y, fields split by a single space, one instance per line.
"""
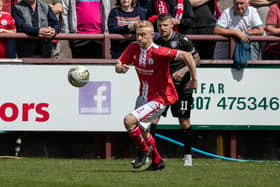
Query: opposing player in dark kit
x=180 y=76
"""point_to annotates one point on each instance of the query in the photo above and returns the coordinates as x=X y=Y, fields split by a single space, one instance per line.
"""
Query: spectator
x=56 y=6
x=144 y=4
x=262 y=7
x=106 y=7
x=85 y=17
x=69 y=18
x=7 y=24
x=272 y=49
x=57 y=9
x=204 y=23
x=217 y=11
x=239 y=21
x=122 y=20
x=35 y=17
x=8 y=4
x=182 y=13
x=11 y=46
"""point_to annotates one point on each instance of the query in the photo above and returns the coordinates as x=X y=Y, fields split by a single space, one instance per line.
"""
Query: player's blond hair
x=144 y=24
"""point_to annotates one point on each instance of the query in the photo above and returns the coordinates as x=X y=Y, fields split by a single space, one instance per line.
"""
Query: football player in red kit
x=156 y=92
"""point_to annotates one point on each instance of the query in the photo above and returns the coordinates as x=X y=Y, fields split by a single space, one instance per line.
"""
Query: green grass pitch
x=39 y=172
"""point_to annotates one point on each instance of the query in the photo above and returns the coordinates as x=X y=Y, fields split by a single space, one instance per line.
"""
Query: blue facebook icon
x=95 y=98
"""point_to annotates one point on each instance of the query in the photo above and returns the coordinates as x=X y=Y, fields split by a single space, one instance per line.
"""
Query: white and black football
x=78 y=76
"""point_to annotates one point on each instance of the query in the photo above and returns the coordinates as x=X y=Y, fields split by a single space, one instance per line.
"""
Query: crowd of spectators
x=46 y=18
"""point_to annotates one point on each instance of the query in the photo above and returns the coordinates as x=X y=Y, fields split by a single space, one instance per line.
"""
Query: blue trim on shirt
x=260 y=25
x=218 y=25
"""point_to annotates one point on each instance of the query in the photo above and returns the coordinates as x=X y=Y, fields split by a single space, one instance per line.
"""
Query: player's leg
x=182 y=110
x=153 y=111
x=139 y=121
x=187 y=140
x=153 y=126
x=148 y=140
x=135 y=133
x=156 y=120
x=142 y=152
x=157 y=162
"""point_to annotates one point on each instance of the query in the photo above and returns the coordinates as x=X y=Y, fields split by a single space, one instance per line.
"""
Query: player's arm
x=189 y=61
x=179 y=74
x=121 y=68
x=188 y=47
x=196 y=58
x=125 y=59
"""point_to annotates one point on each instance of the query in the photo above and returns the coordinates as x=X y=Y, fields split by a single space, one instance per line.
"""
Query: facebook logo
x=95 y=98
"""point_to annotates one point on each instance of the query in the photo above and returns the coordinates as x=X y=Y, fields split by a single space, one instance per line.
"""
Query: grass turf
x=98 y=172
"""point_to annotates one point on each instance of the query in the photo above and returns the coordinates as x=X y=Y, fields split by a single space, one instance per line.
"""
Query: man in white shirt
x=238 y=21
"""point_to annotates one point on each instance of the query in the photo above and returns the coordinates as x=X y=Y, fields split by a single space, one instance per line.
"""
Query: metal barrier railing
x=106 y=38
x=113 y=61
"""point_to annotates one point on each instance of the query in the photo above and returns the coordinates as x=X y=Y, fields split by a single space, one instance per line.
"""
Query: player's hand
x=124 y=68
x=192 y=84
x=121 y=68
x=178 y=75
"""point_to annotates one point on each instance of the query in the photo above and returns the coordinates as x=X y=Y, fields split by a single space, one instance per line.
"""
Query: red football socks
x=137 y=137
x=155 y=154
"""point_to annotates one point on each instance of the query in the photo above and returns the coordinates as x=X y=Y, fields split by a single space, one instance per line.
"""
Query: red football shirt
x=6 y=22
x=152 y=67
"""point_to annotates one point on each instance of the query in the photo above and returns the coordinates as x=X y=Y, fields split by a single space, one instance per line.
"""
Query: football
x=78 y=76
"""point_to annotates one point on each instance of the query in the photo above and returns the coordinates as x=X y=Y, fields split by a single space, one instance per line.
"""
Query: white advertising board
x=40 y=98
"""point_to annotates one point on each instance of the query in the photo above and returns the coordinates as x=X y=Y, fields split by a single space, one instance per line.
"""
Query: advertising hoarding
x=40 y=98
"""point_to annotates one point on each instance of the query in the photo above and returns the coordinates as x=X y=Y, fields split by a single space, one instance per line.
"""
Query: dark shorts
x=181 y=108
